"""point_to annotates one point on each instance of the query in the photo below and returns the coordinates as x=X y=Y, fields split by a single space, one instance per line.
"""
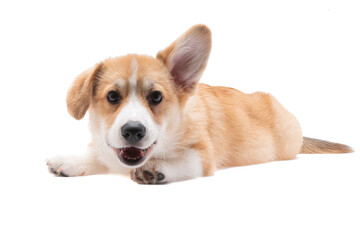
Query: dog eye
x=113 y=97
x=155 y=98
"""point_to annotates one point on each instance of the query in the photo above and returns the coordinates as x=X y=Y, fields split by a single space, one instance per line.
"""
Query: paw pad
x=147 y=177
x=57 y=172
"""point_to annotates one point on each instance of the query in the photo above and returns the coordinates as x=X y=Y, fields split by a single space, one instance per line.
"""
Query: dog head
x=134 y=99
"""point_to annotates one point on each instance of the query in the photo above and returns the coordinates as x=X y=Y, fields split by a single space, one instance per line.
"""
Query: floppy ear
x=187 y=57
x=79 y=94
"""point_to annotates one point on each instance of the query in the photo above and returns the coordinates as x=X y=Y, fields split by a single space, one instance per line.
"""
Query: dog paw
x=65 y=166
x=147 y=176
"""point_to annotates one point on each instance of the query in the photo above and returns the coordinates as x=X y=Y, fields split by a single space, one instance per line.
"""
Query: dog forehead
x=133 y=70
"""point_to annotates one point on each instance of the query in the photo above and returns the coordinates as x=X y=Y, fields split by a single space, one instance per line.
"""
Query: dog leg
x=159 y=171
x=75 y=165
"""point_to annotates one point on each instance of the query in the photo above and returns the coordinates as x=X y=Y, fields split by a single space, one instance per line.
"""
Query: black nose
x=133 y=132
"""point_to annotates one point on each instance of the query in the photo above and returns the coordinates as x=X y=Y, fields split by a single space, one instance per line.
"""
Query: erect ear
x=80 y=92
x=187 y=57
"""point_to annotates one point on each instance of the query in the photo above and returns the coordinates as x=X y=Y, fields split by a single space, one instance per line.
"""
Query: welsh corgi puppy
x=152 y=119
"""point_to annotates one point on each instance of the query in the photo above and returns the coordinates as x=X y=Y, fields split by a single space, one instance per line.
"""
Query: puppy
x=151 y=118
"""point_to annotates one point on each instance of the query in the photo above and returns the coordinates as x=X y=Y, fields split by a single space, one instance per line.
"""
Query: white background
x=306 y=53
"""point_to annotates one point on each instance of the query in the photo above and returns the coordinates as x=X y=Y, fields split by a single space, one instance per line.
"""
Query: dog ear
x=187 y=57
x=79 y=94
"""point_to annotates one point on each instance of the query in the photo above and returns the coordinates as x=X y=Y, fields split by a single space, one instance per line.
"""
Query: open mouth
x=133 y=156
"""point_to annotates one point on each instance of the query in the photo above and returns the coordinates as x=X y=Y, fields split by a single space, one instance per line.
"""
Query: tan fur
x=224 y=126
x=312 y=145
x=151 y=76
x=238 y=129
x=78 y=98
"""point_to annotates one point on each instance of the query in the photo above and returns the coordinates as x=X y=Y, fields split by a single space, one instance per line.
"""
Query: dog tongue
x=132 y=153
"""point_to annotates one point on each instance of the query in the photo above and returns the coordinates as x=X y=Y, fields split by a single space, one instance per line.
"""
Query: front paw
x=57 y=172
x=65 y=166
x=147 y=176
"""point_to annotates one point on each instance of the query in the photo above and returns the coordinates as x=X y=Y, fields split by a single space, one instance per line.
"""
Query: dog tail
x=312 y=145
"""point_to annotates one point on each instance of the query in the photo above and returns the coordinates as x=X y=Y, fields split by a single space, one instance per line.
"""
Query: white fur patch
x=134 y=68
x=133 y=111
x=185 y=166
